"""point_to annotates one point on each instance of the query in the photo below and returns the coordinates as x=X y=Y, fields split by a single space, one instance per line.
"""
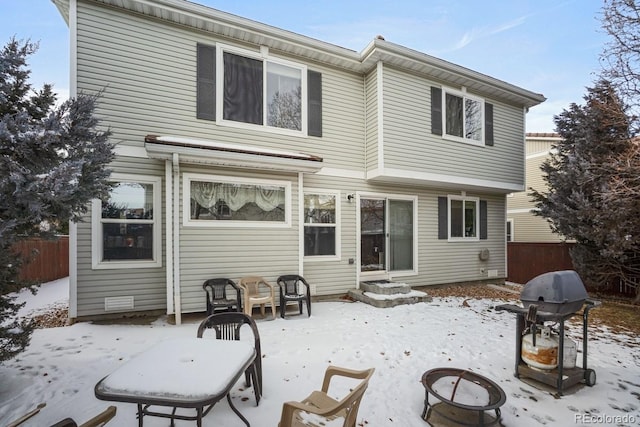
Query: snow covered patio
x=62 y=365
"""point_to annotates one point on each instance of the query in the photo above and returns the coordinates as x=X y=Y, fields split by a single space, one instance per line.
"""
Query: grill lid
x=555 y=292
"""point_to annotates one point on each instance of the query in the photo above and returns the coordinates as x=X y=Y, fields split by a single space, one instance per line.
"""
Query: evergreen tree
x=52 y=163
x=593 y=179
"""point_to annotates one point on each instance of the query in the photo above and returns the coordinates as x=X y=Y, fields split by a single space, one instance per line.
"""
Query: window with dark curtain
x=242 y=89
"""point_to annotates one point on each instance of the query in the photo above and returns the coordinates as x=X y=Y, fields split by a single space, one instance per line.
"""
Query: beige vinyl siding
x=522 y=199
x=409 y=143
x=147 y=71
x=336 y=277
x=530 y=228
x=439 y=261
x=372 y=123
x=535 y=146
x=147 y=285
x=208 y=251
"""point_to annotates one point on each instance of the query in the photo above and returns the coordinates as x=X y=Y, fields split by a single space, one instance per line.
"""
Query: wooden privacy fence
x=528 y=260
x=51 y=261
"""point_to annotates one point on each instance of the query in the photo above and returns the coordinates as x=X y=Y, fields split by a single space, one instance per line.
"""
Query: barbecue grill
x=551 y=298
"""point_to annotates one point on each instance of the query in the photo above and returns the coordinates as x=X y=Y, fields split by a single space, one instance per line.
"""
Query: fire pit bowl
x=560 y=292
x=464 y=397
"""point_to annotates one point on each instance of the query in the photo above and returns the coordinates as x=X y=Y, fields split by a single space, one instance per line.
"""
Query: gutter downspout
x=176 y=239
x=168 y=178
x=300 y=224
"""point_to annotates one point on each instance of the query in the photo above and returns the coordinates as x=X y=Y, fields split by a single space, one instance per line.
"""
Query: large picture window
x=126 y=225
x=463 y=116
x=212 y=200
x=321 y=213
x=263 y=92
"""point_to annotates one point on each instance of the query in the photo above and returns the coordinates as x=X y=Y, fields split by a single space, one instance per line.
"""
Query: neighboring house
x=246 y=149
x=522 y=224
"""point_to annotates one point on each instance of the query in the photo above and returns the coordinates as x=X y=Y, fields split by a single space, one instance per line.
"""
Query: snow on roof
x=223 y=146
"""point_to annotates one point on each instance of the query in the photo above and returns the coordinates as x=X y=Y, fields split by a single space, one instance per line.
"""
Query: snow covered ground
x=62 y=365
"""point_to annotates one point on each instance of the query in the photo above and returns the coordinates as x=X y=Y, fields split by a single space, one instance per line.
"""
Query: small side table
x=451 y=408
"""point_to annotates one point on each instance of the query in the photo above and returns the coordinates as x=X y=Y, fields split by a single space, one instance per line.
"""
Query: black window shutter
x=488 y=124
x=314 y=103
x=436 y=110
x=206 y=82
x=443 y=226
x=483 y=220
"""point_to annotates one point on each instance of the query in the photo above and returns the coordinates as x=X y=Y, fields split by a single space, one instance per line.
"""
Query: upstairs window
x=247 y=88
x=461 y=117
x=261 y=92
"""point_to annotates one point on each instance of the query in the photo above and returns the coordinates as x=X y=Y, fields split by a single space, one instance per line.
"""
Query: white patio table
x=179 y=373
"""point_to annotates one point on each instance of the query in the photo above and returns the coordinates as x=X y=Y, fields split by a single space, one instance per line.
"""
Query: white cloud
x=482 y=32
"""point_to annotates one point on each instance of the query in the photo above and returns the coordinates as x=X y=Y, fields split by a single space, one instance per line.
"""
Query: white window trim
x=338 y=226
x=464 y=95
x=416 y=234
x=512 y=222
x=186 y=202
x=96 y=227
x=477 y=220
x=263 y=56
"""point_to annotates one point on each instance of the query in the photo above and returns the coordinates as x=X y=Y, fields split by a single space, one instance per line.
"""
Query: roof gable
x=231 y=26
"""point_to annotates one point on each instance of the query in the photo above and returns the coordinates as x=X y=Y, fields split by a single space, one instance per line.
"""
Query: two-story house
x=246 y=149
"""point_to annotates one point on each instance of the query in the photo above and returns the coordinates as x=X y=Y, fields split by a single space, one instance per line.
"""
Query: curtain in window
x=242 y=89
x=206 y=194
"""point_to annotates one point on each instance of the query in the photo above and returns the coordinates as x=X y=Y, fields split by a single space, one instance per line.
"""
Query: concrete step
x=385 y=287
x=386 y=298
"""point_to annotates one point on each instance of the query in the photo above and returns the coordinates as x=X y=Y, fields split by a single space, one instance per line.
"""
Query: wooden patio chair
x=293 y=288
x=98 y=421
x=217 y=298
x=227 y=327
x=320 y=404
x=251 y=286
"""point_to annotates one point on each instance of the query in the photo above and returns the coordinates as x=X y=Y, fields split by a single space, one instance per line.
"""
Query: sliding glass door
x=400 y=235
x=387 y=234
x=372 y=235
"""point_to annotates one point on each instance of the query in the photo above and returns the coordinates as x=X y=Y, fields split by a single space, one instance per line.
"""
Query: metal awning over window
x=199 y=151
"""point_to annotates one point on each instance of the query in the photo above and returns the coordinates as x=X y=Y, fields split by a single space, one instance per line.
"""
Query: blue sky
x=546 y=46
